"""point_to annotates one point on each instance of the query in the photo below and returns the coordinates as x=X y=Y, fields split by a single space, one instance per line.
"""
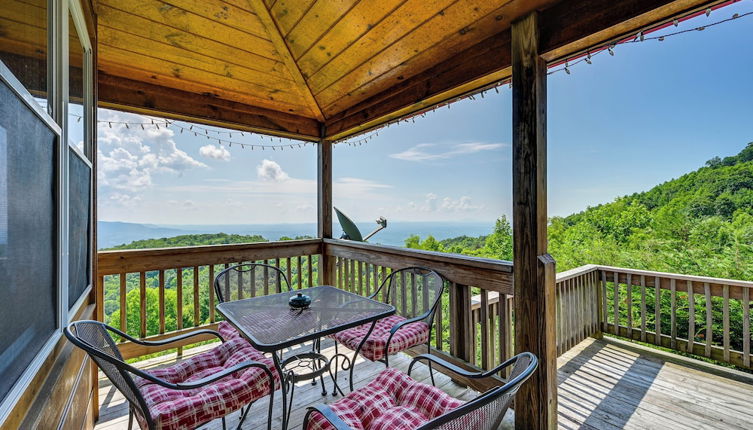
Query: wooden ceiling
x=313 y=68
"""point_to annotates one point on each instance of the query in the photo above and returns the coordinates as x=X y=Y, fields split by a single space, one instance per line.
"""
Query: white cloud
x=129 y=157
x=270 y=171
x=215 y=152
x=432 y=151
x=432 y=203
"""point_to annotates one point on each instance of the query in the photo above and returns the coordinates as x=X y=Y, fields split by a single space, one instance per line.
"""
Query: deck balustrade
x=474 y=326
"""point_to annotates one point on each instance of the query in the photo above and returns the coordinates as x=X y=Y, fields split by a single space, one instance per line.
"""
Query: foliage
x=191 y=240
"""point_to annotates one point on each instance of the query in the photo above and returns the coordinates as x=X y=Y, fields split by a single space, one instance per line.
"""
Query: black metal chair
x=249 y=280
x=485 y=412
x=416 y=292
x=95 y=339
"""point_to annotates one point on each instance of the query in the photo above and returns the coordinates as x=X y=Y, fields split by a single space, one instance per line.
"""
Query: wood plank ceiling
x=287 y=67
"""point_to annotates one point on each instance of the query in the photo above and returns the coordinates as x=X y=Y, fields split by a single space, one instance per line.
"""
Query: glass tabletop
x=270 y=324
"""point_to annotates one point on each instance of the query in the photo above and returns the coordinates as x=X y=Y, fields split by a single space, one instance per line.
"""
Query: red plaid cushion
x=180 y=409
x=227 y=331
x=373 y=349
x=392 y=401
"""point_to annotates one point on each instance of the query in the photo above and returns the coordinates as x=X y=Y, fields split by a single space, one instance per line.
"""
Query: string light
x=358 y=140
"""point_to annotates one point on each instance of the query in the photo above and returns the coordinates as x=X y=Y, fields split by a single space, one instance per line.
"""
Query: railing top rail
x=574 y=273
x=666 y=275
x=137 y=260
x=480 y=262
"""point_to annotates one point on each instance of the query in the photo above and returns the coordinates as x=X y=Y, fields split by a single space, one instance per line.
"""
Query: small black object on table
x=277 y=321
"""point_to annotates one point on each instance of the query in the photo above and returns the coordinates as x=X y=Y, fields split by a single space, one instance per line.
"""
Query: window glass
x=76 y=118
x=23 y=44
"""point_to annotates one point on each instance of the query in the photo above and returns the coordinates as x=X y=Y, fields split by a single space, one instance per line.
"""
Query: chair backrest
x=94 y=338
x=413 y=291
x=486 y=411
x=249 y=280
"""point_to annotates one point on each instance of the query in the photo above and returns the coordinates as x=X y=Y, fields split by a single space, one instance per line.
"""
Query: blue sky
x=650 y=113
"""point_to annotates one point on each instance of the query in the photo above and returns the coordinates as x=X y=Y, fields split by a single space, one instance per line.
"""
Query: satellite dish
x=351 y=231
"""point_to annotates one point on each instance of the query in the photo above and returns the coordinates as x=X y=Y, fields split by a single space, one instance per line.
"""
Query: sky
x=650 y=113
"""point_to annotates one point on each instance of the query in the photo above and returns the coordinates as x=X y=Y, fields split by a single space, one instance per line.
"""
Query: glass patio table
x=270 y=325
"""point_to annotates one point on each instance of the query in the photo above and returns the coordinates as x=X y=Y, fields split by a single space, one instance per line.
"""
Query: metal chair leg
x=431 y=372
x=130 y=418
x=223 y=424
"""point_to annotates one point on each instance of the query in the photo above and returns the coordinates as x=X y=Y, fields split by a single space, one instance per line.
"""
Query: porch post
x=536 y=402
x=324 y=209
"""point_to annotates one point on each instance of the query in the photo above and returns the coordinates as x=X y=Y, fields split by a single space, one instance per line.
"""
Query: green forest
x=699 y=224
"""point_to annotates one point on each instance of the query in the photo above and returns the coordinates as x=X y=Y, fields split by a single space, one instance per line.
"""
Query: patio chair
x=415 y=292
x=395 y=401
x=247 y=280
x=188 y=394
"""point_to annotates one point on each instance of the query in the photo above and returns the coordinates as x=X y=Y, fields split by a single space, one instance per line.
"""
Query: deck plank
x=601 y=386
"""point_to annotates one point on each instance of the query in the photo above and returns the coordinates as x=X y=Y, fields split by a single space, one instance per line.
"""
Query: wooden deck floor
x=602 y=385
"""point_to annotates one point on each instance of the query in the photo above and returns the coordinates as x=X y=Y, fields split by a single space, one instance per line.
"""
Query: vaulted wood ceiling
x=306 y=68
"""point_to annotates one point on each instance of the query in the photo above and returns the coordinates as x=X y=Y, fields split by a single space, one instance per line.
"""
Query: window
x=24 y=43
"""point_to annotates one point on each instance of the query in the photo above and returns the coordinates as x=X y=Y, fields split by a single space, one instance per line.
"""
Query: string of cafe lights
x=565 y=65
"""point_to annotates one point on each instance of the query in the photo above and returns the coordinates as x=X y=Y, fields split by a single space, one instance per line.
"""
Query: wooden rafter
x=283 y=50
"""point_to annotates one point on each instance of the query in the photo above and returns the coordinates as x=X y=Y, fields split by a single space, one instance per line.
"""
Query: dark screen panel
x=28 y=265
x=79 y=178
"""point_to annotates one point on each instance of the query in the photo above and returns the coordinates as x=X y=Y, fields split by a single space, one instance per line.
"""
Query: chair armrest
x=168 y=340
x=328 y=414
x=459 y=370
x=403 y=323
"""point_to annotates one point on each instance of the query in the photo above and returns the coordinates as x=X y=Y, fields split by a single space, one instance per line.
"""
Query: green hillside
x=700 y=223
x=191 y=240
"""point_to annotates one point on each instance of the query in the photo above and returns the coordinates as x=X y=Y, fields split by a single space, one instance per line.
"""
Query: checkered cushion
x=392 y=401
x=373 y=349
x=227 y=331
x=180 y=409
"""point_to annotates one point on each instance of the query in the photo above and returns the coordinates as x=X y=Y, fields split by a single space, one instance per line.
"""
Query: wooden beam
x=534 y=269
x=145 y=98
x=566 y=28
x=324 y=209
x=448 y=79
x=275 y=35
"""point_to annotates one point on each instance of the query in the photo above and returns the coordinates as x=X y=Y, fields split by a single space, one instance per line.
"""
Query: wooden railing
x=679 y=312
x=172 y=288
x=474 y=326
x=483 y=340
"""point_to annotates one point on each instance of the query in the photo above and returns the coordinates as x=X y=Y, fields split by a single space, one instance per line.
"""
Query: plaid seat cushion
x=227 y=331
x=392 y=401
x=180 y=409
x=373 y=349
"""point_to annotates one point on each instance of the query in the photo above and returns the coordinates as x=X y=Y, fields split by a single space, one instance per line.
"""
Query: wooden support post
x=324 y=209
x=534 y=268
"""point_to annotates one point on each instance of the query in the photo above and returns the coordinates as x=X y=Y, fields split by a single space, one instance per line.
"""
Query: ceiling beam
x=567 y=28
x=143 y=98
x=275 y=35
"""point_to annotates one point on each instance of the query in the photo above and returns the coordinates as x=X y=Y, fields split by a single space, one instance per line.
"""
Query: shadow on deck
x=602 y=385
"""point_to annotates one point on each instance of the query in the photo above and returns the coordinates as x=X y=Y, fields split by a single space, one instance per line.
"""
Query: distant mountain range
x=112 y=233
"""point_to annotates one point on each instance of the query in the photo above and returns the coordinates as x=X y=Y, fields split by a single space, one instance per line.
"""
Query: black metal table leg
x=283 y=389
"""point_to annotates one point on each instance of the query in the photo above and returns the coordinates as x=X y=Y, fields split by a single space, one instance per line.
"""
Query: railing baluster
x=278 y=280
x=616 y=303
x=629 y=298
x=505 y=329
x=161 y=287
x=673 y=314
x=725 y=322
x=486 y=360
x=196 y=305
x=142 y=304
x=289 y=270
x=604 y=324
x=360 y=278
x=300 y=272
x=211 y=293
x=691 y=319
x=709 y=318
x=311 y=270
x=123 y=309
x=746 y=326
x=179 y=304
x=252 y=283
x=403 y=294
x=657 y=310
x=265 y=273
x=438 y=321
